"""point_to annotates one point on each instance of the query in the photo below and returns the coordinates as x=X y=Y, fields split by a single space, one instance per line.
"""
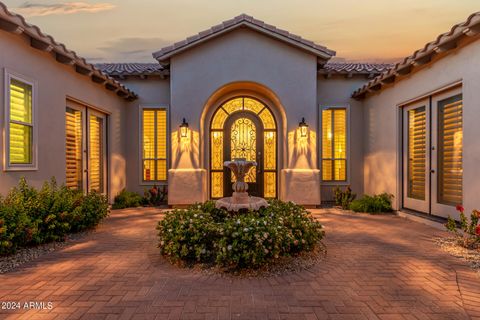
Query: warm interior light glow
x=243 y=143
x=21 y=124
x=154 y=138
x=334 y=144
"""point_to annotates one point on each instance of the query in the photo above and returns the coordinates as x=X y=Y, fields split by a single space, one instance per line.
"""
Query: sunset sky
x=129 y=31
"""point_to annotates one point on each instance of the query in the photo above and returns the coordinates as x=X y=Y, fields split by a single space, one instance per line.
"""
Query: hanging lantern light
x=184 y=128
x=303 y=128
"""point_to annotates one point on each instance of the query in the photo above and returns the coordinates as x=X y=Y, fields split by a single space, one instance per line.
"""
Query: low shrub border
x=204 y=234
x=155 y=196
x=30 y=217
x=127 y=199
x=373 y=204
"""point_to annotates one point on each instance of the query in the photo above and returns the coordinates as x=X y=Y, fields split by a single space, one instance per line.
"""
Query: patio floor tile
x=377 y=267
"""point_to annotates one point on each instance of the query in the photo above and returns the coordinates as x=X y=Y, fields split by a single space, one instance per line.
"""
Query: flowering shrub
x=469 y=236
x=344 y=198
x=156 y=195
x=205 y=234
x=29 y=216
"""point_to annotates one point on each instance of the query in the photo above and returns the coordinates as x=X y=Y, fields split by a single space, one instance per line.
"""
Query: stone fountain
x=240 y=198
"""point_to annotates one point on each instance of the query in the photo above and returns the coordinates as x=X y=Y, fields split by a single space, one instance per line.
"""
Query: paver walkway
x=378 y=267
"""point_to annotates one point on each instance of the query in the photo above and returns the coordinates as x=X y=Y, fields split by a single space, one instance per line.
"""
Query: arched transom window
x=244 y=127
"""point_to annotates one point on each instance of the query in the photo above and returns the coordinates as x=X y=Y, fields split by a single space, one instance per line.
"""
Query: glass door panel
x=416 y=160
x=96 y=152
x=74 y=148
x=447 y=150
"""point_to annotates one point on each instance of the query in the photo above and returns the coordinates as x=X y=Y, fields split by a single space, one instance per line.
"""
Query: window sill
x=153 y=183
x=19 y=169
x=335 y=183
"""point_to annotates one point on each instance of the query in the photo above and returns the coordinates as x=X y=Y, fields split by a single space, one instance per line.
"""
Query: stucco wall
x=337 y=91
x=152 y=92
x=382 y=165
x=245 y=56
x=56 y=82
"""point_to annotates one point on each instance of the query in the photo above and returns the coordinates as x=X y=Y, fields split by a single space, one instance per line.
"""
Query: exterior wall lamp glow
x=184 y=128
x=303 y=128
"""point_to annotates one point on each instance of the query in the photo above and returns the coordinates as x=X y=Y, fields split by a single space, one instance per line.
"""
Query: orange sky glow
x=129 y=31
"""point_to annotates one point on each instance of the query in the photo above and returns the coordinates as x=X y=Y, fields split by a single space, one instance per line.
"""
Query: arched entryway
x=243 y=127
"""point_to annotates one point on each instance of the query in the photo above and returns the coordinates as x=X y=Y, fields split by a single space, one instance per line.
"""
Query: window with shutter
x=154 y=144
x=334 y=144
x=19 y=124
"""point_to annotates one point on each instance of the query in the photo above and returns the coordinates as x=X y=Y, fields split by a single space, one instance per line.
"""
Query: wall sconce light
x=184 y=128
x=303 y=128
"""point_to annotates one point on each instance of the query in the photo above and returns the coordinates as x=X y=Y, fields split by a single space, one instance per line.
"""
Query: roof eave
x=15 y=23
x=163 y=56
x=443 y=44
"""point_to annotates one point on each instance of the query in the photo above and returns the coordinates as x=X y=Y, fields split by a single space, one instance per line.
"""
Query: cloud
x=30 y=9
x=133 y=49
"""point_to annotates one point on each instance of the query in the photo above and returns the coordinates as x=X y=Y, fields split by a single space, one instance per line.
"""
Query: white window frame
x=345 y=106
x=8 y=76
x=140 y=143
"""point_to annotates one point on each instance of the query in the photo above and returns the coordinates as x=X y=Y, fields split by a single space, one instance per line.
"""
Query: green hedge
x=154 y=196
x=127 y=199
x=205 y=234
x=29 y=216
x=373 y=204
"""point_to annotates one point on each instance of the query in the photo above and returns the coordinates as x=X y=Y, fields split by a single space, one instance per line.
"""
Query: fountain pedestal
x=240 y=198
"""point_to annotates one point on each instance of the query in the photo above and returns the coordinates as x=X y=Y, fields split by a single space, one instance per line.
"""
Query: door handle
x=432 y=171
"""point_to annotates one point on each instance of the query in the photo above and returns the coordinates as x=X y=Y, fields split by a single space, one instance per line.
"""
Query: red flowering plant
x=469 y=234
x=156 y=195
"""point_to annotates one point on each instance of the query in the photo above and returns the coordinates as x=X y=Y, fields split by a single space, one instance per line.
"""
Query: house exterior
x=244 y=89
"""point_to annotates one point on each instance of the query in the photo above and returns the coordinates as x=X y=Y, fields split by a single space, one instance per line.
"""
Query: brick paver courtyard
x=377 y=267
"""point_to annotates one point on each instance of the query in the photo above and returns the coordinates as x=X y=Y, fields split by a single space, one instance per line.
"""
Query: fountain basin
x=238 y=202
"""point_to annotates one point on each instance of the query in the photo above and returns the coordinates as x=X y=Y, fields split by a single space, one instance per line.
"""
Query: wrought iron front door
x=243 y=139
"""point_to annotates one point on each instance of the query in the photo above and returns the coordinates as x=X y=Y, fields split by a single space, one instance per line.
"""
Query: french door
x=433 y=154
x=85 y=148
x=416 y=128
x=243 y=139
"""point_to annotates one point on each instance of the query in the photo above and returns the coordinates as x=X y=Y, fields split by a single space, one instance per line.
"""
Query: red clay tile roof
x=243 y=20
x=15 y=23
x=131 y=69
x=355 y=68
x=443 y=43
x=145 y=69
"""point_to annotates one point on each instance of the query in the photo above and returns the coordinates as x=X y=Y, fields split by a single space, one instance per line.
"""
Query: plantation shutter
x=450 y=153
x=95 y=147
x=74 y=148
x=161 y=144
x=416 y=153
x=154 y=144
x=20 y=123
x=334 y=144
x=340 y=144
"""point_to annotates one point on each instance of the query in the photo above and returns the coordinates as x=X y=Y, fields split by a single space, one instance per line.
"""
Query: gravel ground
x=280 y=266
x=472 y=256
x=23 y=255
